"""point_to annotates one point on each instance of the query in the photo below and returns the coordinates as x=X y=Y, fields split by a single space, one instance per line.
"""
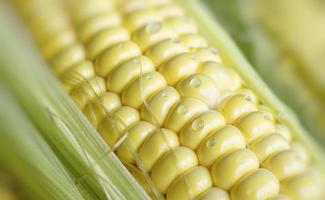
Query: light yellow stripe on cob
x=164 y=39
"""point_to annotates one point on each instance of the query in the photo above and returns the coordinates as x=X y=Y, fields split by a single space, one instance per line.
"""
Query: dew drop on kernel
x=211 y=142
x=182 y=109
x=195 y=82
x=198 y=125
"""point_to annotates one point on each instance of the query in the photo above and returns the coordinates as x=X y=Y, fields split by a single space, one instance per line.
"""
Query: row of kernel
x=113 y=139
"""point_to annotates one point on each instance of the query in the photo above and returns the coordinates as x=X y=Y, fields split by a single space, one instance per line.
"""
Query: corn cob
x=163 y=100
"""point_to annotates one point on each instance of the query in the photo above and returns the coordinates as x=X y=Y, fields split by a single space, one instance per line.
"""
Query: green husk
x=87 y=158
x=26 y=155
x=286 y=48
x=233 y=57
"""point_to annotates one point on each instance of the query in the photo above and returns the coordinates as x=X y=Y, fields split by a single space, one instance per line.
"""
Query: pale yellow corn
x=160 y=96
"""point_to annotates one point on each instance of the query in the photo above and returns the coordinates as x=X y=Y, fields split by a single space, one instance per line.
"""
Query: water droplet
x=193 y=58
x=198 y=125
x=175 y=40
x=148 y=76
x=211 y=142
x=214 y=50
x=248 y=98
x=195 y=82
x=153 y=27
x=182 y=109
x=164 y=94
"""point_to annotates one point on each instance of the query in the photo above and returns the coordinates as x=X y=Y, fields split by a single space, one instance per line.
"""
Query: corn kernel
x=93 y=25
x=67 y=58
x=190 y=185
x=214 y=194
x=179 y=67
x=283 y=131
x=105 y=39
x=167 y=168
x=235 y=107
x=229 y=169
x=185 y=110
x=136 y=137
x=201 y=87
x=88 y=90
x=138 y=18
x=140 y=89
x=260 y=184
x=158 y=106
x=193 y=41
x=151 y=34
x=182 y=25
x=158 y=143
x=193 y=133
x=219 y=143
x=113 y=127
x=110 y=58
x=165 y=50
x=268 y=145
x=224 y=77
x=127 y=72
x=285 y=164
x=207 y=54
x=77 y=74
x=255 y=125
x=98 y=108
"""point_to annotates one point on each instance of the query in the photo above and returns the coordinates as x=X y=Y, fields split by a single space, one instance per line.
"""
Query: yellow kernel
x=105 y=39
x=248 y=94
x=193 y=41
x=214 y=194
x=219 y=143
x=182 y=25
x=268 y=145
x=88 y=90
x=57 y=43
x=255 y=125
x=185 y=110
x=235 y=107
x=127 y=72
x=169 y=167
x=230 y=168
x=138 y=18
x=169 y=10
x=140 y=89
x=136 y=137
x=201 y=87
x=193 y=133
x=165 y=50
x=178 y=67
x=260 y=184
x=110 y=58
x=158 y=143
x=158 y=106
x=98 y=108
x=77 y=74
x=283 y=131
x=224 y=77
x=207 y=54
x=114 y=126
x=151 y=34
x=190 y=185
x=300 y=149
x=280 y=197
x=85 y=9
x=97 y=23
x=304 y=186
x=67 y=58
x=285 y=164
